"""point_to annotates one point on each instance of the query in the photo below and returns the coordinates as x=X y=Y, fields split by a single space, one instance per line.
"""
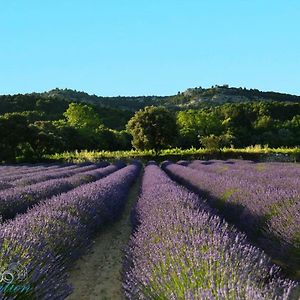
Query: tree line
x=31 y=127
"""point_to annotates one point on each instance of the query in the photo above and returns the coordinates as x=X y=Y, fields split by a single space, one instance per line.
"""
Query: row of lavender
x=17 y=200
x=45 y=240
x=7 y=175
x=14 y=169
x=16 y=172
x=24 y=179
x=262 y=200
x=271 y=193
x=266 y=174
x=6 y=172
x=181 y=250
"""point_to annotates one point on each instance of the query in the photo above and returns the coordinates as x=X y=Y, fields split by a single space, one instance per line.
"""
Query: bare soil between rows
x=97 y=274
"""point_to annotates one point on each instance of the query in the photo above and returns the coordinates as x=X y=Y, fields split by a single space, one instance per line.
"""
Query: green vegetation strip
x=256 y=153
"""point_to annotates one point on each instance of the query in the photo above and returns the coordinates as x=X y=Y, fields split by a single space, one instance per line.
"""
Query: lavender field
x=187 y=230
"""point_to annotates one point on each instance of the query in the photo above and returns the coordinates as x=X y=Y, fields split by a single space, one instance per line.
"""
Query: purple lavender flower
x=261 y=199
x=47 y=238
x=182 y=250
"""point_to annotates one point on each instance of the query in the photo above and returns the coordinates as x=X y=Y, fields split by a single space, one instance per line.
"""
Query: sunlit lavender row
x=17 y=173
x=267 y=212
x=181 y=250
x=21 y=169
x=266 y=174
x=46 y=239
x=19 y=199
x=9 y=174
x=58 y=173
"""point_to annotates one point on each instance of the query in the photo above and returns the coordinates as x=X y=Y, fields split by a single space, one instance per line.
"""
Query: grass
x=256 y=153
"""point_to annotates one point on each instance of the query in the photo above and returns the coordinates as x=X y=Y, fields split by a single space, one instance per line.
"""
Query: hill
x=119 y=102
x=191 y=98
x=217 y=95
x=116 y=111
x=32 y=125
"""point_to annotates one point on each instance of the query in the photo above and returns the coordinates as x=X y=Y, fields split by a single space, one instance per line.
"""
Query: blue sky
x=148 y=47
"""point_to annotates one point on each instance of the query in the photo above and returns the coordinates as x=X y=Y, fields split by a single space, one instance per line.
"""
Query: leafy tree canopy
x=152 y=128
x=82 y=116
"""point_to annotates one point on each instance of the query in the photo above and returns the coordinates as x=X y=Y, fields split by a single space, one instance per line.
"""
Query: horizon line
x=146 y=95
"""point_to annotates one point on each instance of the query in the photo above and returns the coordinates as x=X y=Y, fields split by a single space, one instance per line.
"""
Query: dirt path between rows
x=96 y=276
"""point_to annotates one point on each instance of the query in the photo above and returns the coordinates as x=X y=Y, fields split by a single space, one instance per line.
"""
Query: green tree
x=82 y=116
x=264 y=122
x=197 y=123
x=49 y=137
x=152 y=128
x=238 y=120
x=14 y=136
x=214 y=142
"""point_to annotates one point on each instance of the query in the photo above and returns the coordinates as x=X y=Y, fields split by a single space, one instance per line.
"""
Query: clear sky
x=148 y=47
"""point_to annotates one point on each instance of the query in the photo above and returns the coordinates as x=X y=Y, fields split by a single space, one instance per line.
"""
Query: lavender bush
x=19 y=199
x=61 y=173
x=262 y=200
x=39 y=171
x=19 y=172
x=181 y=250
x=50 y=236
x=4 y=185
